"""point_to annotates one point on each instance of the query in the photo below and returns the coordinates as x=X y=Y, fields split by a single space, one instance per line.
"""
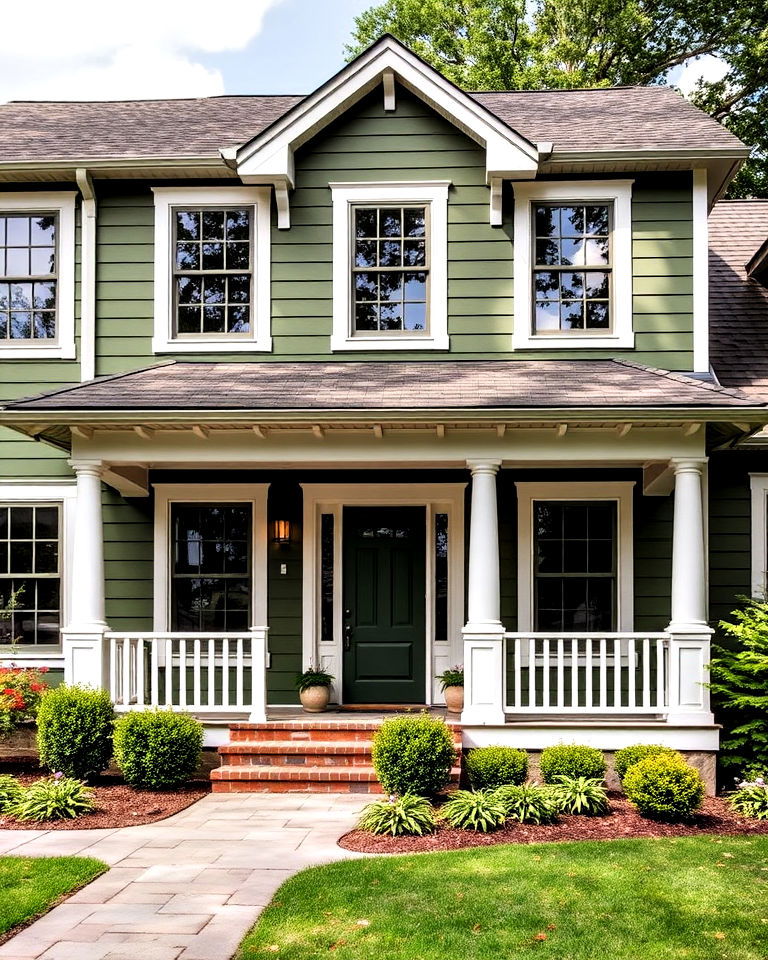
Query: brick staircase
x=302 y=756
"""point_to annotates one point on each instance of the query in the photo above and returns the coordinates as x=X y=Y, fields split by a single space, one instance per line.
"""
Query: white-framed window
x=390 y=265
x=36 y=524
x=758 y=483
x=210 y=556
x=212 y=269
x=37 y=275
x=573 y=264
x=575 y=557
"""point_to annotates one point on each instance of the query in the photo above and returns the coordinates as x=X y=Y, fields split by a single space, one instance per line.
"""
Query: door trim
x=331 y=498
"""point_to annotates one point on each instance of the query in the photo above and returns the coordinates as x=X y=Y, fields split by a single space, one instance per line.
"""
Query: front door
x=384 y=604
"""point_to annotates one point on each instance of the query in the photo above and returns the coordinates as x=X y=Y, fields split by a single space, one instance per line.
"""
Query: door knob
x=347 y=636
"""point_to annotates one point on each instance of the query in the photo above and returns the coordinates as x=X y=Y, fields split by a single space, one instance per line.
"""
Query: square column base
x=484 y=673
x=688 y=676
x=86 y=658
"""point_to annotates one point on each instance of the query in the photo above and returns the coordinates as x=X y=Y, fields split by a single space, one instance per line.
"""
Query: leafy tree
x=525 y=44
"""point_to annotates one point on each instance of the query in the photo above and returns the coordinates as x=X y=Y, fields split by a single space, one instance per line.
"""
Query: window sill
x=382 y=344
x=212 y=346
x=28 y=351
x=19 y=654
x=574 y=343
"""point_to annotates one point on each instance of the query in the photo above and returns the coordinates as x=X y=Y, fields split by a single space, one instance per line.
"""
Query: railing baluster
x=140 y=672
x=518 y=674
x=531 y=672
x=574 y=672
x=154 y=696
x=589 y=694
x=545 y=673
x=211 y=671
x=127 y=672
x=646 y=673
x=603 y=673
x=560 y=672
x=225 y=672
x=660 y=679
x=616 y=673
x=113 y=661
x=631 y=665
x=239 y=665
x=183 y=674
x=169 y=672
x=197 y=694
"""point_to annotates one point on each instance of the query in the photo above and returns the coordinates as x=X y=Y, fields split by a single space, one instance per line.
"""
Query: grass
x=29 y=886
x=702 y=898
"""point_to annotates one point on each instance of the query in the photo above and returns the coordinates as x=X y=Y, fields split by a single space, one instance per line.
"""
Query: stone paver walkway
x=187 y=888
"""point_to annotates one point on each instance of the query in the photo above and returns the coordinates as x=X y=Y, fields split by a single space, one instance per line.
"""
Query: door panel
x=384 y=604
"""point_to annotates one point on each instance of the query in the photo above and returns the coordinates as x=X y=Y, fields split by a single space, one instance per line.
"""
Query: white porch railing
x=588 y=673
x=198 y=672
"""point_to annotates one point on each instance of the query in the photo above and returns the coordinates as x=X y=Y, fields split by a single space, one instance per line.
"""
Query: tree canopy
x=530 y=44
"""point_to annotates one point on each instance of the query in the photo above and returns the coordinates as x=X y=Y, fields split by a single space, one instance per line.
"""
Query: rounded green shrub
x=55 y=798
x=407 y=815
x=413 y=754
x=158 y=749
x=491 y=767
x=571 y=760
x=628 y=756
x=664 y=788
x=74 y=731
x=479 y=810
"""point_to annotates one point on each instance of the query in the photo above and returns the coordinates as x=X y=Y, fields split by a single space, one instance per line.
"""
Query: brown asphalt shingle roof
x=391 y=385
x=623 y=118
x=738 y=304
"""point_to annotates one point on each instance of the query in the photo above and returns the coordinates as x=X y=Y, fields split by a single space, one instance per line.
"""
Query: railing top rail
x=576 y=635
x=166 y=635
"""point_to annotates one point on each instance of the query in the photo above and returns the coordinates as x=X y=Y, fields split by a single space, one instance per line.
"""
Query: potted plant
x=452 y=685
x=314 y=687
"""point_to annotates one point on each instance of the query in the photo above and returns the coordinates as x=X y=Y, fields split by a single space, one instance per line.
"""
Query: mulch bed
x=623 y=822
x=117 y=804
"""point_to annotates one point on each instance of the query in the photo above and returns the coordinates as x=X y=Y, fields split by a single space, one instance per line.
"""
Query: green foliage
x=628 y=756
x=413 y=754
x=74 y=731
x=582 y=796
x=534 y=44
x=530 y=803
x=158 y=749
x=571 y=760
x=479 y=810
x=664 y=788
x=313 y=677
x=490 y=767
x=751 y=799
x=451 y=678
x=55 y=798
x=10 y=792
x=739 y=683
x=396 y=816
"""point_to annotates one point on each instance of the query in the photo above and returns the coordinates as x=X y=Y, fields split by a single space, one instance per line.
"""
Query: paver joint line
x=186 y=888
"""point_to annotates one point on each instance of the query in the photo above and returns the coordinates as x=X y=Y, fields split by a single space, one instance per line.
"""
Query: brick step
x=303 y=753
x=273 y=779
x=308 y=731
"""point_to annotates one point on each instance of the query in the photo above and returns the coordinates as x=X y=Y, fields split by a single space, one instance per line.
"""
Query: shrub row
x=77 y=735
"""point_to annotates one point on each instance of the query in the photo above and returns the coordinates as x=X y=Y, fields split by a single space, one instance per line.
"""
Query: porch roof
x=173 y=385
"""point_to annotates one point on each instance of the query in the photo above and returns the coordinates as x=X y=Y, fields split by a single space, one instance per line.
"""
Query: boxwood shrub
x=413 y=754
x=74 y=731
x=491 y=767
x=628 y=756
x=571 y=760
x=664 y=787
x=158 y=749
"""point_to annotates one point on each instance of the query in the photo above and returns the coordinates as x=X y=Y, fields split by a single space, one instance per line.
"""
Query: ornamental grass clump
x=627 y=757
x=158 y=749
x=74 y=731
x=11 y=792
x=413 y=754
x=408 y=815
x=530 y=803
x=581 y=796
x=571 y=760
x=55 y=798
x=491 y=767
x=750 y=799
x=478 y=810
x=664 y=788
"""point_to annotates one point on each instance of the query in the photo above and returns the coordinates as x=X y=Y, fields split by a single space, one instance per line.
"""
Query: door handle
x=347 y=636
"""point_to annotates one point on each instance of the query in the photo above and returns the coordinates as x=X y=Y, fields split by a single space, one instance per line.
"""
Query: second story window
x=28 y=265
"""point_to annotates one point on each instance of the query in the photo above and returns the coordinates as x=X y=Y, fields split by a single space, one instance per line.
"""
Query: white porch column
x=484 y=632
x=85 y=653
x=689 y=630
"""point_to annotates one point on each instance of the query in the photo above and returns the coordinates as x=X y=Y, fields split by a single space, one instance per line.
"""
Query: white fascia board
x=266 y=156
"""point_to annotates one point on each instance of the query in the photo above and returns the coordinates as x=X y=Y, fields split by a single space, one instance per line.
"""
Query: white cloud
x=707 y=68
x=76 y=51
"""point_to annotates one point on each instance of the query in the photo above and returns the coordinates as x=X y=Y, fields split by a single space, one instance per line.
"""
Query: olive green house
x=383 y=379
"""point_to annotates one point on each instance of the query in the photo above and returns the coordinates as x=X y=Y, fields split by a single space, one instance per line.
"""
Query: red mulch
x=117 y=804
x=623 y=822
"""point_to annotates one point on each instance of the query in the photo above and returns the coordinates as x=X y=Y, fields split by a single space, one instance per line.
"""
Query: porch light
x=282 y=532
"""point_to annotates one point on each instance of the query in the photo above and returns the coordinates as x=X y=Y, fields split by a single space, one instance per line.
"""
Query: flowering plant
x=454 y=677
x=750 y=798
x=20 y=693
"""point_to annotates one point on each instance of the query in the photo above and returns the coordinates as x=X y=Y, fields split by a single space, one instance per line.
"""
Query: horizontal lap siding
x=128 y=561
x=730 y=560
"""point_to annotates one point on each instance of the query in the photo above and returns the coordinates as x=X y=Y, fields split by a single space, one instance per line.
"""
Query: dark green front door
x=384 y=604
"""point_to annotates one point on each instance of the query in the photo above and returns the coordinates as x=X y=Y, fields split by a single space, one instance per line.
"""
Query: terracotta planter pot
x=315 y=699
x=454 y=699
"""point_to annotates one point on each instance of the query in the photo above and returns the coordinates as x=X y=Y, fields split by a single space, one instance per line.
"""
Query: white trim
x=61 y=203
x=168 y=493
x=618 y=491
x=603 y=734
x=617 y=192
x=63 y=495
x=320 y=498
x=700 y=272
x=166 y=198
x=433 y=193
x=88 y=257
x=758 y=485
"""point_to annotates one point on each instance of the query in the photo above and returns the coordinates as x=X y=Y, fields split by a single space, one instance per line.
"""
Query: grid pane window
x=29 y=571
x=211 y=567
x=213 y=271
x=574 y=561
x=572 y=272
x=28 y=276
x=390 y=270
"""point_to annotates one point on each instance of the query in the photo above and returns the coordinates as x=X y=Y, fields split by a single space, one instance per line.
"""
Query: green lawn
x=30 y=885
x=702 y=898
